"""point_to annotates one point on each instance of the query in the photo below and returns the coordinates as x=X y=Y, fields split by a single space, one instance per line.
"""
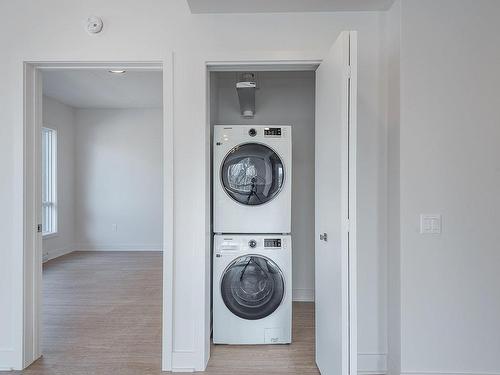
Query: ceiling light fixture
x=117 y=71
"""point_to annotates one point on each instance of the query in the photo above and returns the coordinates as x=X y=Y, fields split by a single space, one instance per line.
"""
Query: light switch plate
x=430 y=224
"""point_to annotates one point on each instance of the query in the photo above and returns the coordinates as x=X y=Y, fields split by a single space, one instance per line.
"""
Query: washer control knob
x=252 y=132
x=252 y=243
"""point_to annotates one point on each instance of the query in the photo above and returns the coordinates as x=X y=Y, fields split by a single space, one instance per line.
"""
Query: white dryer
x=252 y=289
x=252 y=179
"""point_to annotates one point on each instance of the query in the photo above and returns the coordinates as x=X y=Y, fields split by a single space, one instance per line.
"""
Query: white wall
x=61 y=117
x=56 y=33
x=449 y=158
x=119 y=179
x=109 y=172
x=285 y=98
x=372 y=209
x=392 y=44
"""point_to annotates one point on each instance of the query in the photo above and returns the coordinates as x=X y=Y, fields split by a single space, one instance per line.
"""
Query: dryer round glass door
x=252 y=174
x=252 y=287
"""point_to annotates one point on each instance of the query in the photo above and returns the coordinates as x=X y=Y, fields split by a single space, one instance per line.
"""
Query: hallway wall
x=443 y=116
x=55 y=32
x=449 y=145
x=392 y=44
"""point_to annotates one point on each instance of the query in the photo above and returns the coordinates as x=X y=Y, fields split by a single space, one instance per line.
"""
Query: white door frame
x=32 y=244
x=221 y=65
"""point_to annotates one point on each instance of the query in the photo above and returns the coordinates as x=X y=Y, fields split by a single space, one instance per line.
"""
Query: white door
x=335 y=178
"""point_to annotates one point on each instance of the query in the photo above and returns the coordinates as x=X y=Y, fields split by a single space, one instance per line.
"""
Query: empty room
x=250 y=187
x=101 y=217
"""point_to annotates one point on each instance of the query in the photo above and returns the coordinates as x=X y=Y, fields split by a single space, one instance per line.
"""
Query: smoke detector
x=94 y=25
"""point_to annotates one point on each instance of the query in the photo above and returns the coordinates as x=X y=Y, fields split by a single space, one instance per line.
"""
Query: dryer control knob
x=252 y=243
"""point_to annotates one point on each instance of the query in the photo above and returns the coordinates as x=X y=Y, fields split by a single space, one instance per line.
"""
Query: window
x=49 y=181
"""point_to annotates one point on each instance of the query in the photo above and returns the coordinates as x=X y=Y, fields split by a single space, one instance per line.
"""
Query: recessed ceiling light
x=116 y=71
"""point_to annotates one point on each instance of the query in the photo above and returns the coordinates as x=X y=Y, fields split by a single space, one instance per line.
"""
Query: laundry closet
x=285 y=133
x=262 y=130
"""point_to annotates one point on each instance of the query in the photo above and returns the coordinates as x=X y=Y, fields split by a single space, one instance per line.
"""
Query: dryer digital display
x=272 y=132
x=272 y=242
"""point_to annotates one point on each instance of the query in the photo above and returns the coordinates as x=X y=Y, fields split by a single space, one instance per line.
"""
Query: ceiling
x=283 y=6
x=96 y=88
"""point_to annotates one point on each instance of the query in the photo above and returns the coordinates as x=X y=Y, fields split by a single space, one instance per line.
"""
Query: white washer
x=252 y=289
x=252 y=179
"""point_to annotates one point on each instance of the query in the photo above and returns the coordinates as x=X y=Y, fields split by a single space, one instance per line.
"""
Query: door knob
x=323 y=237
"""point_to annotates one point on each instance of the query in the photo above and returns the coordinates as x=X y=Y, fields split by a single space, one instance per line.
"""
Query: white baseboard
x=7 y=358
x=447 y=373
x=182 y=361
x=52 y=254
x=303 y=295
x=372 y=363
x=117 y=247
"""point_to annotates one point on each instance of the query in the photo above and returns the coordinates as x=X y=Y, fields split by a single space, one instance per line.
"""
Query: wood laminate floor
x=102 y=315
x=294 y=359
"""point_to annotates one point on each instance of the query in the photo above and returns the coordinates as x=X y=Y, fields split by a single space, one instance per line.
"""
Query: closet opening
x=283 y=213
x=262 y=131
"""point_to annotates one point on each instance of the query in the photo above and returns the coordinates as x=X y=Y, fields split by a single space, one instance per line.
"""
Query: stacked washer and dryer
x=252 y=266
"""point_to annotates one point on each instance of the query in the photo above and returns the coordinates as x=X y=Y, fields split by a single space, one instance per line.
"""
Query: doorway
x=53 y=208
x=333 y=82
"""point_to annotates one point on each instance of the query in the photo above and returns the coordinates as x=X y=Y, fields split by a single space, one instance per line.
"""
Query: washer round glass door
x=252 y=174
x=252 y=287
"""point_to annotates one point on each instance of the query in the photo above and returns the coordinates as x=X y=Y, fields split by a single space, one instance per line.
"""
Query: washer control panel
x=272 y=242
